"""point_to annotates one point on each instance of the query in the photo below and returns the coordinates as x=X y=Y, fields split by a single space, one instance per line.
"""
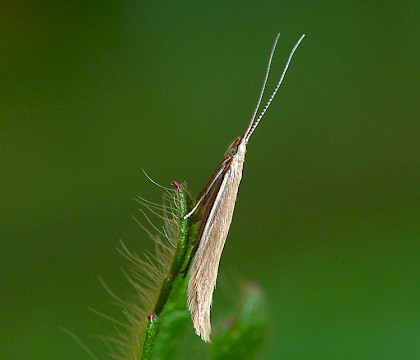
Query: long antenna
x=273 y=49
x=255 y=124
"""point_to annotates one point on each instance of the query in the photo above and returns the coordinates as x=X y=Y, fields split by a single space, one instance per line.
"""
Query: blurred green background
x=327 y=214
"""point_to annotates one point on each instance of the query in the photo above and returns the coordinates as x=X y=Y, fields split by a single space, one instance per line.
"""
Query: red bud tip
x=151 y=316
x=176 y=185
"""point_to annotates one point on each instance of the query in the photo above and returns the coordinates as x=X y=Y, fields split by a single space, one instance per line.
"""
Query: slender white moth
x=217 y=202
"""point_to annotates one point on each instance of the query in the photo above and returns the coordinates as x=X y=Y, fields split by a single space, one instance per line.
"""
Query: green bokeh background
x=327 y=218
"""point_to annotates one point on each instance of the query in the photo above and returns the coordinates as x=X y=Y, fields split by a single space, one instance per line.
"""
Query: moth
x=217 y=202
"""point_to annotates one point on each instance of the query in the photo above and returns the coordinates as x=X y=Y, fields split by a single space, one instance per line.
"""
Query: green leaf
x=242 y=336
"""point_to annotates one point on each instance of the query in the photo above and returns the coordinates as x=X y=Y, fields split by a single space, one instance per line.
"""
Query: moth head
x=234 y=147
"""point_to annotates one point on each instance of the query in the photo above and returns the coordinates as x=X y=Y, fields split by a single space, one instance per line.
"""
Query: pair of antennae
x=254 y=123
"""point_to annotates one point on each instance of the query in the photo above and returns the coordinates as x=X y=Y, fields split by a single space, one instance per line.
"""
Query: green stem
x=180 y=252
x=185 y=236
x=165 y=291
x=182 y=232
x=150 y=336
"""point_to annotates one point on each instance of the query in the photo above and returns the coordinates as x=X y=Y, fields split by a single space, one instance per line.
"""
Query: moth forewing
x=214 y=230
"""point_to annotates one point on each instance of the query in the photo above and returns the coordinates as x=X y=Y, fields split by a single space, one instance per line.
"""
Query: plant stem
x=184 y=237
x=150 y=336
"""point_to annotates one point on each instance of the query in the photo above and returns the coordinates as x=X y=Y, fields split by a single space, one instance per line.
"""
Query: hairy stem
x=184 y=237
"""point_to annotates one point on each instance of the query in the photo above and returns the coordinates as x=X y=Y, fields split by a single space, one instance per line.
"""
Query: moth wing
x=212 y=237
